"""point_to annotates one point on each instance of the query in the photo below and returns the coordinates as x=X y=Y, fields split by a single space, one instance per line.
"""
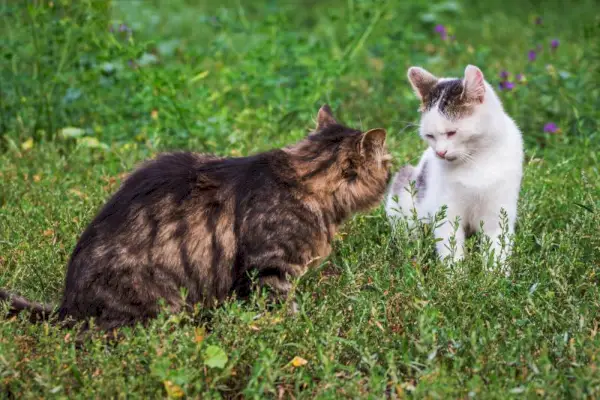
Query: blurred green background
x=90 y=88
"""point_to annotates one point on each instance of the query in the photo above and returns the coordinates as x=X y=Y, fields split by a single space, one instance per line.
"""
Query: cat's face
x=351 y=165
x=451 y=120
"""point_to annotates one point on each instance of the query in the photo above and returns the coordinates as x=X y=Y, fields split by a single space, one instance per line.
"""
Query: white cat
x=473 y=164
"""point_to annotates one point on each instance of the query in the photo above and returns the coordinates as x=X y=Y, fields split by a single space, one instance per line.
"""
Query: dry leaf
x=299 y=361
x=37 y=178
x=173 y=390
x=154 y=114
x=400 y=392
x=48 y=232
x=78 y=193
x=199 y=334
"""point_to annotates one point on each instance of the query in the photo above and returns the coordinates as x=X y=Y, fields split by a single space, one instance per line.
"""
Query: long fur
x=212 y=227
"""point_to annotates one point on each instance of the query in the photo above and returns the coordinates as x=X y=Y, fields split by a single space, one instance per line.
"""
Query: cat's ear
x=372 y=141
x=474 y=86
x=325 y=117
x=421 y=80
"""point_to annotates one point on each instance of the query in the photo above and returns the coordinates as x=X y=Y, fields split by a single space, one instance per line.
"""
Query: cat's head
x=345 y=166
x=454 y=112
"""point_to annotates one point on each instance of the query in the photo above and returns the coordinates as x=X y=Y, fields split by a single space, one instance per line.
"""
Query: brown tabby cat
x=205 y=223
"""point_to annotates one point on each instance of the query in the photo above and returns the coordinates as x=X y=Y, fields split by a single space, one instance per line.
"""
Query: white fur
x=483 y=177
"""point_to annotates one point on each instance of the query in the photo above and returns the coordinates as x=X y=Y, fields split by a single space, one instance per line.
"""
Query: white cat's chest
x=473 y=190
x=475 y=178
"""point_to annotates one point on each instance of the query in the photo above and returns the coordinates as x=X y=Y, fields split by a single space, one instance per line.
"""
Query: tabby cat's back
x=211 y=226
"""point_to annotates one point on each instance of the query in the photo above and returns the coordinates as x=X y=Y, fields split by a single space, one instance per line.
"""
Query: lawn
x=90 y=88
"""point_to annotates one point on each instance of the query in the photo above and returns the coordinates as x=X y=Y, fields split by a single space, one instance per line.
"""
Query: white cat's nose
x=441 y=154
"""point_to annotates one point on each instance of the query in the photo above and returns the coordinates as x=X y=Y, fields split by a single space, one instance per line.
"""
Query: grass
x=81 y=104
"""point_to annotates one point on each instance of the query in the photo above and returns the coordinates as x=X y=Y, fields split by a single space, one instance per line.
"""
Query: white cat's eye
x=450 y=133
x=428 y=136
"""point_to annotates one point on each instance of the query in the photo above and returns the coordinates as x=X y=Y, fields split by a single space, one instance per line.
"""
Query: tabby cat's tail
x=18 y=304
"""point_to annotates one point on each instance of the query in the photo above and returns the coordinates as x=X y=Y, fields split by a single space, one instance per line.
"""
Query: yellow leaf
x=173 y=390
x=299 y=361
x=200 y=76
x=27 y=145
x=78 y=193
x=154 y=114
x=400 y=392
x=377 y=64
x=199 y=334
x=37 y=178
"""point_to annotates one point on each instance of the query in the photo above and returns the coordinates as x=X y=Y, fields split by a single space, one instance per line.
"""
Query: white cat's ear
x=421 y=80
x=474 y=86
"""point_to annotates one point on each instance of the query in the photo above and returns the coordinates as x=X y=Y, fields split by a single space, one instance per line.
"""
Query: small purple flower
x=554 y=44
x=531 y=55
x=123 y=28
x=538 y=20
x=441 y=29
x=550 y=127
x=519 y=77
x=506 y=85
x=504 y=74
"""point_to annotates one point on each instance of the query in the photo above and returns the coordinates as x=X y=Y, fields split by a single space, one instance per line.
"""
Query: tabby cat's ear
x=325 y=117
x=372 y=141
x=421 y=80
x=474 y=87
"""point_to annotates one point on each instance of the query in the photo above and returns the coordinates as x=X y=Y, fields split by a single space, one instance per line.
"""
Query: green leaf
x=91 y=143
x=199 y=76
x=428 y=18
x=215 y=357
x=71 y=132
